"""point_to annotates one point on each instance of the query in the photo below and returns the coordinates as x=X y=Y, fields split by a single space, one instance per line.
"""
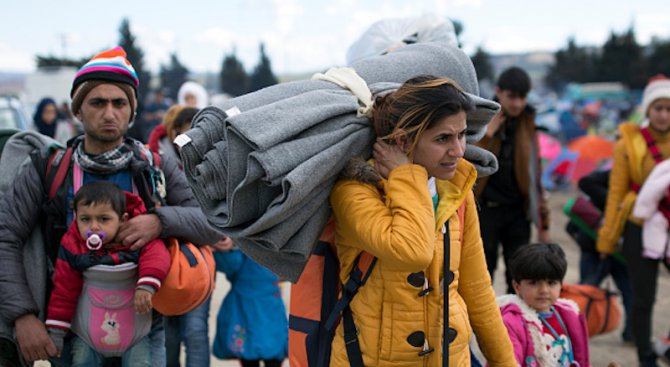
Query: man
x=104 y=98
x=513 y=196
x=153 y=115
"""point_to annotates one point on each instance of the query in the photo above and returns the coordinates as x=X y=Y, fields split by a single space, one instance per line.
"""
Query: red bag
x=598 y=305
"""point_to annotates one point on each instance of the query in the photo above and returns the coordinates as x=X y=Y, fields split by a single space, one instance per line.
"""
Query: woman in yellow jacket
x=398 y=209
x=632 y=164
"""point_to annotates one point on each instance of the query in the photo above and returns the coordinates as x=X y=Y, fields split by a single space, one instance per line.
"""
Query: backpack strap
x=55 y=181
x=358 y=276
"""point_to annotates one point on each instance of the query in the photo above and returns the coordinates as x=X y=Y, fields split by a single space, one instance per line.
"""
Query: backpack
x=315 y=309
x=190 y=279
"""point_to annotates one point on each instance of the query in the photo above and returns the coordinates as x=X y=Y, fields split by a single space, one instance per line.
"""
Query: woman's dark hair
x=539 y=261
x=185 y=117
x=416 y=106
x=101 y=192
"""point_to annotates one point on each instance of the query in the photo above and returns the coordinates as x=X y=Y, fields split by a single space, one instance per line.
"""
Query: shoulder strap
x=358 y=276
x=651 y=145
x=61 y=172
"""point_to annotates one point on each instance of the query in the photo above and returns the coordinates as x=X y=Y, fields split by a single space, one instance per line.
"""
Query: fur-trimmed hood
x=518 y=313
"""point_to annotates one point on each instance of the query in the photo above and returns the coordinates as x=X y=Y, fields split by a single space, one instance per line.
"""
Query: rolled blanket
x=263 y=171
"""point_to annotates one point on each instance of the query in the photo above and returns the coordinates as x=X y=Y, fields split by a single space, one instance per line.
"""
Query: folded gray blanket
x=263 y=176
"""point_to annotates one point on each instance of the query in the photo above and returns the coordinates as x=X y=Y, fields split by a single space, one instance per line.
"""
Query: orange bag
x=190 y=280
x=598 y=305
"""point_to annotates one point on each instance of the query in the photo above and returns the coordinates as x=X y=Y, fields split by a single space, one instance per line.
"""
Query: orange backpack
x=190 y=280
x=317 y=305
x=598 y=305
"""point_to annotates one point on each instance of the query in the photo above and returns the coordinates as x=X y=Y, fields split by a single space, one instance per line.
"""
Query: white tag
x=182 y=139
x=233 y=111
x=444 y=228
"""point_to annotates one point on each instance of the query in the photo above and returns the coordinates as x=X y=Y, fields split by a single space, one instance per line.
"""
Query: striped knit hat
x=110 y=66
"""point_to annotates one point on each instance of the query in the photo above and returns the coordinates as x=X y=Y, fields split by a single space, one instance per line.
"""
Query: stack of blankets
x=262 y=165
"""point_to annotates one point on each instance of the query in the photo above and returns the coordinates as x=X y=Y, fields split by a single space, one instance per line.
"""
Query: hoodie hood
x=134 y=207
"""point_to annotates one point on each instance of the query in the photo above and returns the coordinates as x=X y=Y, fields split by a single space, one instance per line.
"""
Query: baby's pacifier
x=94 y=240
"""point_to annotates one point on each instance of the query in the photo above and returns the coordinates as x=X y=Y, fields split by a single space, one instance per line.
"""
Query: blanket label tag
x=233 y=111
x=182 y=139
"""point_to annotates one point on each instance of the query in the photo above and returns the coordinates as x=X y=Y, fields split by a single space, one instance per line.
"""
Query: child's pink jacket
x=525 y=330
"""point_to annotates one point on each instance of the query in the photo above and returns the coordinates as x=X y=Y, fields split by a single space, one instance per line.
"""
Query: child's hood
x=134 y=207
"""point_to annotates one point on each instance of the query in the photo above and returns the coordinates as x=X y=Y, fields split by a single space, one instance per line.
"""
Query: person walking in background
x=403 y=209
x=192 y=94
x=251 y=324
x=191 y=328
x=47 y=122
x=592 y=268
x=102 y=289
x=513 y=196
x=177 y=120
x=545 y=330
x=153 y=114
x=636 y=154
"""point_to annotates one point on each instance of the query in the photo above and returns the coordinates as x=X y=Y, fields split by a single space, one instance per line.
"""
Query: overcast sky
x=301 y=35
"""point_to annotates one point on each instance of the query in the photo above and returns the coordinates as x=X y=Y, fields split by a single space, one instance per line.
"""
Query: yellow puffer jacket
x=394 y=221
x=632 y=164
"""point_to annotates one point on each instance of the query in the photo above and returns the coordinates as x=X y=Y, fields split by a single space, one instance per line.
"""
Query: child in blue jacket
x=252 y=323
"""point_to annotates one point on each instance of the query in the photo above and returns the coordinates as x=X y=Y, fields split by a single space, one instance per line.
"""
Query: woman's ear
x=400 y=139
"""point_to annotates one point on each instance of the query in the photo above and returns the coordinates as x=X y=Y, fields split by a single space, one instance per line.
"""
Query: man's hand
x=142 y=300
x=388 y=157
x=223 y=245
x=495 y=124
x=140 y=230
x=34 y=341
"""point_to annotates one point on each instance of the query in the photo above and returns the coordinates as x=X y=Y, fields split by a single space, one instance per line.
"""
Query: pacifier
x=94 y=240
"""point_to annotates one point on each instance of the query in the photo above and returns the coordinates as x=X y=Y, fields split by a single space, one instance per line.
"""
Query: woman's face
x=659 y=114
x=441 y=147
x=49 y=114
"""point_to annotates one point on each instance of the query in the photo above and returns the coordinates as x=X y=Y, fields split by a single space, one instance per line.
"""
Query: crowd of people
x=433 y=226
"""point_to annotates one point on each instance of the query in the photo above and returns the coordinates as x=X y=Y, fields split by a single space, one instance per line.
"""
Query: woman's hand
x=388 y=157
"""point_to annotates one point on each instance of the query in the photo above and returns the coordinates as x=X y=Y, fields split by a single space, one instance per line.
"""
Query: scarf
x=108 y=162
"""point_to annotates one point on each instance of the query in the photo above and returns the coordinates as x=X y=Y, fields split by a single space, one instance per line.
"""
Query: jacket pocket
x=386 y=331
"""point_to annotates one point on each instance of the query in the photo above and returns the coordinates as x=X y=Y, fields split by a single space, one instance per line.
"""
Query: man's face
x=511 y=102
x=105 y=115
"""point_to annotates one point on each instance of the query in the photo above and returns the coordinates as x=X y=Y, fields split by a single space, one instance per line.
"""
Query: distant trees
x=54 y=61
x=482 y=62
x=136 y=57
x=172 y=76
x=262 y=76
x=619 y=59
x=233 y=79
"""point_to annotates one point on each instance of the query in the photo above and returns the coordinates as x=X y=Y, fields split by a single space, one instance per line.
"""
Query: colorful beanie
x=111 y=65
x=658 y=87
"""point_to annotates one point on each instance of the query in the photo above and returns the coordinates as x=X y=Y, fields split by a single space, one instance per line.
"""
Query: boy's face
x=538 y=294
x=99 y=217
x=512 y=103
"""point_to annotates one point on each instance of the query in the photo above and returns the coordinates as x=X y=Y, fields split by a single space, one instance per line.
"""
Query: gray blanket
x=263 y=176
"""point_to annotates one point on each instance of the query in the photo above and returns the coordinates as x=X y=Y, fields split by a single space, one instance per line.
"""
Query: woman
x=46 y=121
x=398 y=209
x=633 y=162
x=177 y=120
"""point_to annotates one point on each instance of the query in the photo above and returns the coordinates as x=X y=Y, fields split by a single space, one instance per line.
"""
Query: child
x=545 y=330
x=97 y=292
x=251 y=324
